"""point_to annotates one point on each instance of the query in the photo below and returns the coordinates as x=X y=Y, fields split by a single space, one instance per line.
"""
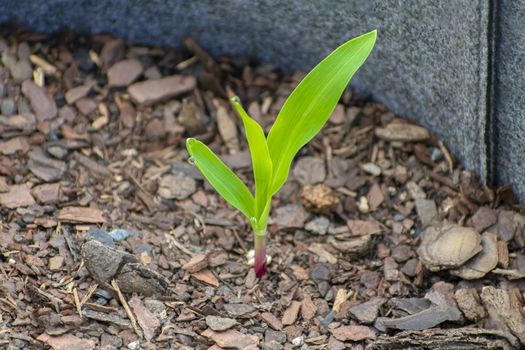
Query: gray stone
x=8 y=107
x=220 y=323
x=104 y=262
x=367 y=312
x=101 y=236
x=137 y=278
x=318 y=225
x=426 y=210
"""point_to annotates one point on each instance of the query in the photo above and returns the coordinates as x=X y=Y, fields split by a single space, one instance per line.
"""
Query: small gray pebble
x=8 y=107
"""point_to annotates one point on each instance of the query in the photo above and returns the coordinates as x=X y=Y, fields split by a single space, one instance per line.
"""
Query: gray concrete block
x=509 y=98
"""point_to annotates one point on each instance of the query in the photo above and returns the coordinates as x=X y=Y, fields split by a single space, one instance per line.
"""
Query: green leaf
x=261 y=161
x=309 y=106
x=229 y=186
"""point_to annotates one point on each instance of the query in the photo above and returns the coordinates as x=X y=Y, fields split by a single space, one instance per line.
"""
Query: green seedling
x=303 y=115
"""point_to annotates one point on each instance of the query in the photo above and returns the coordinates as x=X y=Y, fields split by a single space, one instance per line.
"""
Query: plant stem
x=260 y=254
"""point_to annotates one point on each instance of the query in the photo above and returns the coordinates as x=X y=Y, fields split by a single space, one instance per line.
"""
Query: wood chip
x=207 y=277
x=81 y=215
x=291 y=313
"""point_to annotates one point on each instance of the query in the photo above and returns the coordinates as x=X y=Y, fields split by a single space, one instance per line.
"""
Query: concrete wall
x=455 y=66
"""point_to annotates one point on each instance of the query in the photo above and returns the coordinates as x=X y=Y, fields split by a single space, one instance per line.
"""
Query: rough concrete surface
x=509 y=116
x=431 y=61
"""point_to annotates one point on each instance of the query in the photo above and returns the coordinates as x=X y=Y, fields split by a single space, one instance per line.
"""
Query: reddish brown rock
x=41 y=101
x=232 y=339
x=124 y=72
x=152 y=91
x=81 y=214
x=76 y=93
x=353 y=333
x=290 y=315
x=18 y=196
x=46 y=193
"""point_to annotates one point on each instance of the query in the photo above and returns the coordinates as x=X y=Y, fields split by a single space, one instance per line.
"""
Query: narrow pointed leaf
x=261 y=162
x=309 y=106
x=229 y=186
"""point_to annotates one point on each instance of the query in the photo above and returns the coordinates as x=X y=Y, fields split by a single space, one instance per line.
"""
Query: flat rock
x=483 y=219
x=272 y=321
x=104 y=262
x=233 y=339
x=46 y=168
x=320 y=272
x=227 y=128
x=508 y=224
x=289 y=216
x=47 y=193
x=375 y=196
x=15 y=145
x=124 y=72
x=191 y=117
x=76 y=93
x=291 y=313
x=145 y=318
x=86 y=105
x=26 y=121
x=137 y=278
x=206 y=276
x=112 y=52
x=367 y=312
x=219 y=324
x=17 y=196
x=56 y=263
x=21 y=70
x=81 y=215
x=153 y=91
x=484 y=262
x=309 y=170
x=470 y=304
x=318 y=225
x=197 y=263
x=448 y=246
x=238 y=310
x=97 y=234
x=352 y=246
x=176 y=186
x=363 y=227
x=67 y=342
x=402 y=132
x=426 y=211
x=353 y=333
x=41 y=101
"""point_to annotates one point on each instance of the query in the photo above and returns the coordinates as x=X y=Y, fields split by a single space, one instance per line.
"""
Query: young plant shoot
x=303 y=115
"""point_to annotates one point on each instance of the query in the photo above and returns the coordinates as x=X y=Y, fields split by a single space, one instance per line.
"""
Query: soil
x=110 y=239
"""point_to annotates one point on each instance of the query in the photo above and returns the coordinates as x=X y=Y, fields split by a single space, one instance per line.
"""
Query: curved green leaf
x=229 y=186
x=261 y=162
x=309 y=106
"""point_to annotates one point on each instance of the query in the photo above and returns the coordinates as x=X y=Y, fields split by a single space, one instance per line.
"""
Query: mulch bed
x=110 y=239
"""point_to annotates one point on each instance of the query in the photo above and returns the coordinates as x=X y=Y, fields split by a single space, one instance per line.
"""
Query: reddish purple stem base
x=260 y=256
